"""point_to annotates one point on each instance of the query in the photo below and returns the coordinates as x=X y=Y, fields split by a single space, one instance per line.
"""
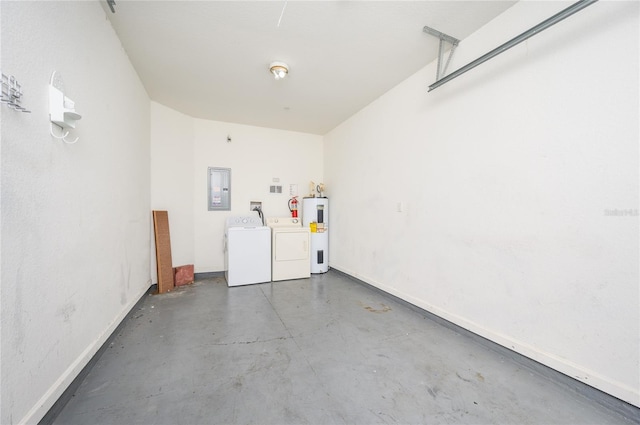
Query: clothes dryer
x=289 y=248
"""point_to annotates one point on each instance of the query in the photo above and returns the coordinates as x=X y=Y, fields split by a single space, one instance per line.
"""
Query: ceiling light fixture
x=279 y=70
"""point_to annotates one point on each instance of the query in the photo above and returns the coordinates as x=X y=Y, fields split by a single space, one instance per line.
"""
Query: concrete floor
x=325 y=350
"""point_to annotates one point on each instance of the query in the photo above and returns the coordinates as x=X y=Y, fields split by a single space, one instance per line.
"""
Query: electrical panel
x=219 y=186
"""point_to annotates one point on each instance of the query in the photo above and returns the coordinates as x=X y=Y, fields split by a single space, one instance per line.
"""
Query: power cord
x=260 y=214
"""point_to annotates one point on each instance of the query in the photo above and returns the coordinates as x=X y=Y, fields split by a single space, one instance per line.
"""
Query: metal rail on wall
x=576 y=7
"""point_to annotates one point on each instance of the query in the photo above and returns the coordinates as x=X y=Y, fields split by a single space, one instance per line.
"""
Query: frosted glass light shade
x=279 y=70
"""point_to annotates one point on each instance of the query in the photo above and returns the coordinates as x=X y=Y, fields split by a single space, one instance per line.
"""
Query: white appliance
x=247 y=251
x=289 y=248
x=315 y=216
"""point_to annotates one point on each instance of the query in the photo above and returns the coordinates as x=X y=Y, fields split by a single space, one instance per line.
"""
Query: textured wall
x=183 y=148
x=172 y=180
x=75 y=218
x=510 y=180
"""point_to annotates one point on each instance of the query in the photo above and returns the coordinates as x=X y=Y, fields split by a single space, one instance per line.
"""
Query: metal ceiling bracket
x=111 y=4
x=444 y=38
x=563 y=14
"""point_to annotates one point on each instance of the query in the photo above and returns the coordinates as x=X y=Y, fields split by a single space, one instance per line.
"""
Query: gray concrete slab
x=324 y=350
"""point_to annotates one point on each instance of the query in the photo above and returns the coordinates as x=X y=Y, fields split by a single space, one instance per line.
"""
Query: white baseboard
x=614 y=388
x=40 y=409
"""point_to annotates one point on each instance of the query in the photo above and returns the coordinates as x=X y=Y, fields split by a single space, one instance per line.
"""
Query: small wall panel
x=163 y=251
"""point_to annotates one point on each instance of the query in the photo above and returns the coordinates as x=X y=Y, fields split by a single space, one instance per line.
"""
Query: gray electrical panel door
x=219 y=185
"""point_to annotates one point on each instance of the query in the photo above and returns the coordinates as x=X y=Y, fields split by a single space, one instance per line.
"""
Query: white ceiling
x=209 y=59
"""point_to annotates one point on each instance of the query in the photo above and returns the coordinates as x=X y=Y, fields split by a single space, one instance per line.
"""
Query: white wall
x=510 y=176
x=172 y=181
x=182 y=150
x=75 y=218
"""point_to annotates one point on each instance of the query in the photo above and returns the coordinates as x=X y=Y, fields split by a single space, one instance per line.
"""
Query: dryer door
x=290 y=246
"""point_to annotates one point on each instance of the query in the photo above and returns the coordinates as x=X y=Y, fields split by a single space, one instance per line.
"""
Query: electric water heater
x=315 y=215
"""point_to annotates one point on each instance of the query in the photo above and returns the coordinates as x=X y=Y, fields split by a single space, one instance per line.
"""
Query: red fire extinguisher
x=293 y=207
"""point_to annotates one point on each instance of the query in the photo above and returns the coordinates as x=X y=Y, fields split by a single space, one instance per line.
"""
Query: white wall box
x=219 y=183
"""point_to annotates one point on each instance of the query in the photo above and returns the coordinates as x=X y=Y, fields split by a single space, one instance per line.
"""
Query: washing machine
x=247 y=251
x=289 y=248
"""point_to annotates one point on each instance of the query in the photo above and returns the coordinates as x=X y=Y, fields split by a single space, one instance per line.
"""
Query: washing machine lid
x=244 y=221
x=284 y=222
